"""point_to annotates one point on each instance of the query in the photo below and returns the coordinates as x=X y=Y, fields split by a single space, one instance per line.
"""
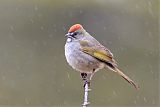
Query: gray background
x=33 y=69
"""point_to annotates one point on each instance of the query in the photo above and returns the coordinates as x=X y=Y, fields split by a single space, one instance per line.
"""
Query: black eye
x=75 y=33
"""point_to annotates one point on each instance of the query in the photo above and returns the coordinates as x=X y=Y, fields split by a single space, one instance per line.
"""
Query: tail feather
x=115 y=69
x=126 y=78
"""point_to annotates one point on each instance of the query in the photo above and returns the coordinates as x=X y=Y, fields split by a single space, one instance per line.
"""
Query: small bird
x=86 y=55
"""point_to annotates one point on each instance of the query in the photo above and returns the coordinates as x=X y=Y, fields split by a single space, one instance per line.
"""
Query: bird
x=86 y=55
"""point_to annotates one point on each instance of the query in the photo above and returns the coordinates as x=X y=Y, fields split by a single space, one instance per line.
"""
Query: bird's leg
x=90 y=75
x=85 y=79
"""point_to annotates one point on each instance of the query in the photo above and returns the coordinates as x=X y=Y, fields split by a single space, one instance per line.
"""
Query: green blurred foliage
x=33 y=69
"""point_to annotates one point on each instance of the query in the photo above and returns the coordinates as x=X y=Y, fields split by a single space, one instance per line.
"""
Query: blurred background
x=33 y=69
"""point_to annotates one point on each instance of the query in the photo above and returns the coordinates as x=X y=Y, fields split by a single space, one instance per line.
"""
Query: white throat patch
x=69 y=39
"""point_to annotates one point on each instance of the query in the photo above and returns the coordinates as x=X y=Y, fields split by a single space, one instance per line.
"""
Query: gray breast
x=79 y=60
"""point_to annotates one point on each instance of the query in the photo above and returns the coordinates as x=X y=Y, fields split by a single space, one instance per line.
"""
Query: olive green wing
x=99 y=52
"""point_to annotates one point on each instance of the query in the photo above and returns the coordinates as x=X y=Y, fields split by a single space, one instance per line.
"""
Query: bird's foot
x=84 y=76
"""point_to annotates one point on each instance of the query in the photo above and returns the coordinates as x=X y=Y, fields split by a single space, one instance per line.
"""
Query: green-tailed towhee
x=86 y=55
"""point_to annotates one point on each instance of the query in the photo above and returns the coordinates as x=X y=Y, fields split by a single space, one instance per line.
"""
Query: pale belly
x=81 y=61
